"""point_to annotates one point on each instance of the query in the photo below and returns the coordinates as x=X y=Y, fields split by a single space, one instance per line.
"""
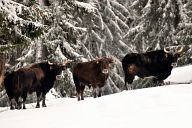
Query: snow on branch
x=5 y=47
x=185 y=25
x=132 y=31
x=110 y=13
x=122 y=24
x=12 y=10
x=97 y=37
x=120 y=7
x=123 y=46
x=69 y=25
x=101 y=23
x=120 y=15
x=88 y=7
x=87 y=51
x=70 y=50
x=59 y=54
x=147 y=7
x=135 y=3
x=116 y=26
x=28 y=56
x=107 y=32
x=182 y=10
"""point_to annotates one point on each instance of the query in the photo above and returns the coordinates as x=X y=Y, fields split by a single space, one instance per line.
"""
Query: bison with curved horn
x=39 y=78
x=157 y=64
x=93 y=73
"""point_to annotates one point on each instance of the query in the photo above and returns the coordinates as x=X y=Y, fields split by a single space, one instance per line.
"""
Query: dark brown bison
x=93 y=73
x=37 y=78
x=154 y=63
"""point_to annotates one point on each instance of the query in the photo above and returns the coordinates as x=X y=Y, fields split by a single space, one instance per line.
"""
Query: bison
x=37 y=78
x=93 y=73
x=18 y=84
x=157 y=64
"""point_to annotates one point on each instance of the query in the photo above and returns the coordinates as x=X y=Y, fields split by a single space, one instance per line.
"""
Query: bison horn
x=179 y=49
x=50 y=63
x=166 y=50
x=97 y=59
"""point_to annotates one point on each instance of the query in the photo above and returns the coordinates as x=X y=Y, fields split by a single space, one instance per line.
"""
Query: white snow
x=12 y=9
x=72 y=26
x=158 y=107
x=181 y=75
x=90 y=8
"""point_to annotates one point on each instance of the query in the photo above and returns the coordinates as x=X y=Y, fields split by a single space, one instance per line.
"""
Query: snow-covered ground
x=158 y=107
x=181 y=75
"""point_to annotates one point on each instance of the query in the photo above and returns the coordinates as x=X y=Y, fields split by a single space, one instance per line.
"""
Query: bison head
x=172 y=54
x=104 y=64
x=57 y=68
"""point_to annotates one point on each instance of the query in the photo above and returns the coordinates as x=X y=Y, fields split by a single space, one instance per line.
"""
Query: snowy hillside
x=168 y=106
x=181 y=75
x=158 y=107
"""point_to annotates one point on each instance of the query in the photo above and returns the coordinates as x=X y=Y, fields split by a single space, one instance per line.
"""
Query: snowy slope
x=181 y=75
x=158 y=107
x=168 y=106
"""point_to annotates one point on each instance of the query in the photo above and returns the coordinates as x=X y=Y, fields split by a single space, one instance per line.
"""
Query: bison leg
x=18 y=103
x=24 y=96
x=38 y=99
x=80 y=90
x=130 y=79
x=11 y=104
x=99 y=94
x=94 y=92
x=82 y=87
x=78 y=93
x=77 y=86
x=78 y=96
x=43 y=102
x=126 y=83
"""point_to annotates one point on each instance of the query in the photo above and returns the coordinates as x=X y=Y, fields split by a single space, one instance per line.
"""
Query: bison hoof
x=44 y=105
x=37 y=106
x=12 y=108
